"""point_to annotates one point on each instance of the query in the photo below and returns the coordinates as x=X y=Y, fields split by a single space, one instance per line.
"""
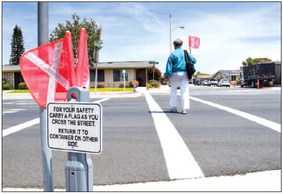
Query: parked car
x=204 y=83
x=224 y=83
x=197 y=82
x=212 y=82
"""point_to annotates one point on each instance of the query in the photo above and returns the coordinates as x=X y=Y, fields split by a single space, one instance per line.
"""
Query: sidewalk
x=258 y=181
x=127 y=94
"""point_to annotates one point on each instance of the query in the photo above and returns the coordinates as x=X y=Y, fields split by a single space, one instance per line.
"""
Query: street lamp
x=170 y=29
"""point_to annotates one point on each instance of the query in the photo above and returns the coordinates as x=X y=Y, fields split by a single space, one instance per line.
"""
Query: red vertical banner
x=67 y=59
x=194 y=42
x=82 y=66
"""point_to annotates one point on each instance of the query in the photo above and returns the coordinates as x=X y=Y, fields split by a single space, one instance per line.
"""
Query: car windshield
x=225 y=80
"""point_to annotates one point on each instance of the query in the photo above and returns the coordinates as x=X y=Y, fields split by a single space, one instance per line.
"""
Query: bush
x=126 y=86
x=238 y=82
x=148 y=85
x=155 y=84
x=121 y=85
x=100 y=85
x=22 y=85
x=7 y=87
x=150 y=81
x=134 y=82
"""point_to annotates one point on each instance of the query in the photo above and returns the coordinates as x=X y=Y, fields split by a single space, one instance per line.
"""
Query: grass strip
x=91 y=90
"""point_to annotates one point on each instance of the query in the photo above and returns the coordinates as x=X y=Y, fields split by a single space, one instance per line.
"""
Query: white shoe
x=184 y=112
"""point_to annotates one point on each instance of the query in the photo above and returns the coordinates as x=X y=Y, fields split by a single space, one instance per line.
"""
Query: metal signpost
x=124 y=77
x=76 y=126
x=46 y=153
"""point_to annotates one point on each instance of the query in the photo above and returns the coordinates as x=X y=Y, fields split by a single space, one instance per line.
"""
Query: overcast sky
x=229 y=32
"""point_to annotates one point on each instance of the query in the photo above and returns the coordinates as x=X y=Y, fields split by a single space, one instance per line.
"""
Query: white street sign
x=75 y=127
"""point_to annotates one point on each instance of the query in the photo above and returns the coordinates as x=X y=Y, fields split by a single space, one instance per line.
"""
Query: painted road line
x=259 y=120
x=25 y=103
x=11 y=111
x=102 y=100
x=179 y=160
x=30 y=123
x=20 y=127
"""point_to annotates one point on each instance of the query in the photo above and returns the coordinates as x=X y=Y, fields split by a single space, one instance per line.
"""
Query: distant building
x=199 y=78
x=110 y=74
x=232 y=75
x=12 y=75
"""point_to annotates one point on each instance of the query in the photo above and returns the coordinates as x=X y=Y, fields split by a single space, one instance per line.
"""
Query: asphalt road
x=221 y=143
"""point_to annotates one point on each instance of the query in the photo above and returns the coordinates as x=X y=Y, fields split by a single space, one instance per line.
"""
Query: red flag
x=194 y=42
x=82 y=66
x=48 y=71
x=67 y=58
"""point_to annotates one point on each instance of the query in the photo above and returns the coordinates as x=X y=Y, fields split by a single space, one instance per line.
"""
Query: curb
x=256 y=181
x=11 y=96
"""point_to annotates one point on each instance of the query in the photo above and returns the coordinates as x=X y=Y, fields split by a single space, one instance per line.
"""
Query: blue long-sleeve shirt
x=176 y=62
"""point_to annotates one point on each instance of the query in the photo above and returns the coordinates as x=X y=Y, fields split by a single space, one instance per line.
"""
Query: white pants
x=182 y=78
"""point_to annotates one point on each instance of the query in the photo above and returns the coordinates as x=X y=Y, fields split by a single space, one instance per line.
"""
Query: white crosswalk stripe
x=179 y=160
x=11 y=111
x=259 y=120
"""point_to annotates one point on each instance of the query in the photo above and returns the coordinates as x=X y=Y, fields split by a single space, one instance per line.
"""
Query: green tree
x=157 y=74
x=257 y=60
x=17 y=46
x=93 y=33
x=249 y=61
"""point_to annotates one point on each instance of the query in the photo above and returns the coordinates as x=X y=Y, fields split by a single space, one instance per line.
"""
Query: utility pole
x=97 y=47
x=170 y=33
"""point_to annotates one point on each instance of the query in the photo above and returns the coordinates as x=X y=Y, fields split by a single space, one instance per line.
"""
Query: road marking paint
x=102 y=100
x=179 y=160
x=25 y=103
x=259 y=120
x=8 y=103
x=12 y=111
x=20 y=127
x=20 y=103
x=30 y=123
